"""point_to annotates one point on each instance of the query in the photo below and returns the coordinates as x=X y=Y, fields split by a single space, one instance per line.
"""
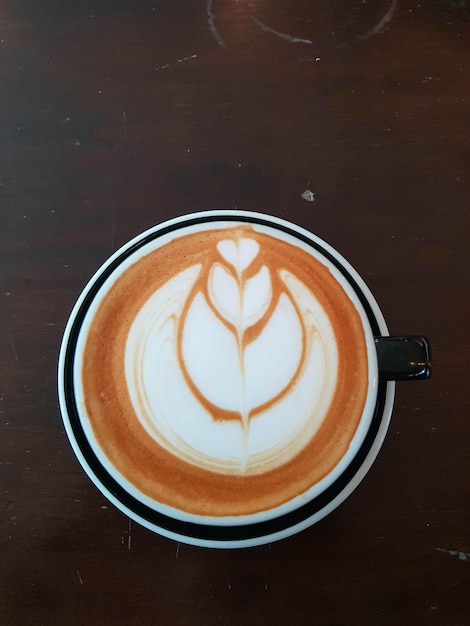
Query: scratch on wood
x=129 y=536
x=14 y=351
x=462 y=556
x=177 y=550
x=380 y=25
x=182 y=60
x=192 y=56
x=212 y=26
x=79 y=577
x=286 y=36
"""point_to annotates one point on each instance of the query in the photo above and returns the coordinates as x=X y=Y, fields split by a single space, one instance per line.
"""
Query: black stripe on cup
x=191 y=530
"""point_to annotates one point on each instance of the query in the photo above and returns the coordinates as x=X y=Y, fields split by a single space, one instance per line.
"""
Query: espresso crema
x=224 y=371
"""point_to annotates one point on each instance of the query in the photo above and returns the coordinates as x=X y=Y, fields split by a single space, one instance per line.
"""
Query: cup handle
x=403 y=358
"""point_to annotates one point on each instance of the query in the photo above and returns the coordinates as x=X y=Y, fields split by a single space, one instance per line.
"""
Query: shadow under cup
x=169 y=400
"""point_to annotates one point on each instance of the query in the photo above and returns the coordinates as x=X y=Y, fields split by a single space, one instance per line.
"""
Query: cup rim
x=229 y=532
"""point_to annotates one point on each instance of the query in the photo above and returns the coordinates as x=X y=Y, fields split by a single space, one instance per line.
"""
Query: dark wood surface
x=117 y=115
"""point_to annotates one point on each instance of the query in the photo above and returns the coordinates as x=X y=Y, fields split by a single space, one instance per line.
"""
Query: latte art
x=224 y=371
x=232 y=367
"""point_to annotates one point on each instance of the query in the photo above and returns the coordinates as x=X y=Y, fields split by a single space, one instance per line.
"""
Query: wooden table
x=349 y=118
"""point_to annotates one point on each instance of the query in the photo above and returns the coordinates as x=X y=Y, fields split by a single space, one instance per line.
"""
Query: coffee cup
x=226 y=378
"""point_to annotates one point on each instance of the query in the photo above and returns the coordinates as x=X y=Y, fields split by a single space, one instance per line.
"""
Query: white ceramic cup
x=138 y=496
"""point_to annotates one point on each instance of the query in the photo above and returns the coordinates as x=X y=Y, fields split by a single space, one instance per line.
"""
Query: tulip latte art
x=224 y=371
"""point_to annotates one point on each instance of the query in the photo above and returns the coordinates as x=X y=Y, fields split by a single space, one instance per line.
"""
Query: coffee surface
x=224 y=372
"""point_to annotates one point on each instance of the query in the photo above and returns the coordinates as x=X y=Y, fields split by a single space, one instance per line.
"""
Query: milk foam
x=236 y=375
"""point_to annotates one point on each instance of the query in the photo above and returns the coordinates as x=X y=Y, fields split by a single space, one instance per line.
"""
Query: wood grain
x=116 y=116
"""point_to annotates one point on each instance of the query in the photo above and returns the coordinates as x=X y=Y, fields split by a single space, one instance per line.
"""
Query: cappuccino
x=224 y=369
